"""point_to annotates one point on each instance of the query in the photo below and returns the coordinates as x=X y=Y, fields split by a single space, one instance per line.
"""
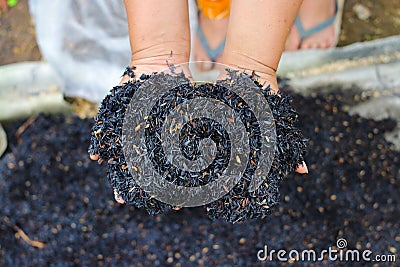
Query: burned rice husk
x=239 y=204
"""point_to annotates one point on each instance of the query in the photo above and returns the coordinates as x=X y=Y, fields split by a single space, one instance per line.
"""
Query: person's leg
x=256 y=37
x=311 y=14
x=159 y=34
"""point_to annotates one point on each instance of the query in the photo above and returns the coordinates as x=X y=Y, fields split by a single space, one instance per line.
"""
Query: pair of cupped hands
x=129 y=75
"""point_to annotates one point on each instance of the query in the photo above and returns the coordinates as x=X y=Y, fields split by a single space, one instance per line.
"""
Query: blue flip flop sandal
x=334 y=20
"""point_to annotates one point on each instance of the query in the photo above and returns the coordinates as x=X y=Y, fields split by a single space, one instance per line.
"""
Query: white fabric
x=86 y=42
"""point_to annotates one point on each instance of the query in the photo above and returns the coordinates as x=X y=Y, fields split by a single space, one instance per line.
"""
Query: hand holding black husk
x=238 y=204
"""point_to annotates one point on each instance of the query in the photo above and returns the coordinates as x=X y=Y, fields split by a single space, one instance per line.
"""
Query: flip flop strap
x=212 y=53
x=306 y=33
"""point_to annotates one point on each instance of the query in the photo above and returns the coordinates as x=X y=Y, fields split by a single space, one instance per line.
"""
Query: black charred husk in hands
x=238 y=204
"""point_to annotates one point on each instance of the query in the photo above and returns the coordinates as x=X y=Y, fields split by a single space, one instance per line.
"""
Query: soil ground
x=52 y=193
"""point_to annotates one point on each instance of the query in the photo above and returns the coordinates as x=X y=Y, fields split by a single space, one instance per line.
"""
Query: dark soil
x=52 y=192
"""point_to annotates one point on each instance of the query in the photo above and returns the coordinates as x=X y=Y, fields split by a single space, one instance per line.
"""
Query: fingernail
x=94 y=157
x=302 y=168
x=118 y=197
x=119 y=200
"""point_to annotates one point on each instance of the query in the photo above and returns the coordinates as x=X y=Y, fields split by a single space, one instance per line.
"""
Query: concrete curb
x=28 y=88
x=381 y=50
x=370 y=66
x=374 y=77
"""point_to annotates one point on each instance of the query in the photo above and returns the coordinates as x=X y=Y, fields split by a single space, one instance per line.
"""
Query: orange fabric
x=214 y=9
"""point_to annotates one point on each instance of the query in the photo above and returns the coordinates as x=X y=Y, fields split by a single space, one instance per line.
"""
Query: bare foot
x=312 y=13
x=214 y=33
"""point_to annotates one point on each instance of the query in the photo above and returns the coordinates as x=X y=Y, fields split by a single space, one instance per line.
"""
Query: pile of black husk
x=56 y=195
x=239 y=203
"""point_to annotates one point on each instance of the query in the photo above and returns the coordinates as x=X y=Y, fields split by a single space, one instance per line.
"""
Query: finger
x=94 y=157
x=177 y=208
x=302 y=168
x=118 y=197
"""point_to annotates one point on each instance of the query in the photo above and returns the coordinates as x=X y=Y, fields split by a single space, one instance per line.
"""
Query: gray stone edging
x=307 y=62
x=370 y=66
x=28 y=88
x=376 y=77
x=373 y=65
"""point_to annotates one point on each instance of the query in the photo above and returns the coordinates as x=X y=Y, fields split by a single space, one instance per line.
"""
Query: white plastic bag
x=86 y=42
